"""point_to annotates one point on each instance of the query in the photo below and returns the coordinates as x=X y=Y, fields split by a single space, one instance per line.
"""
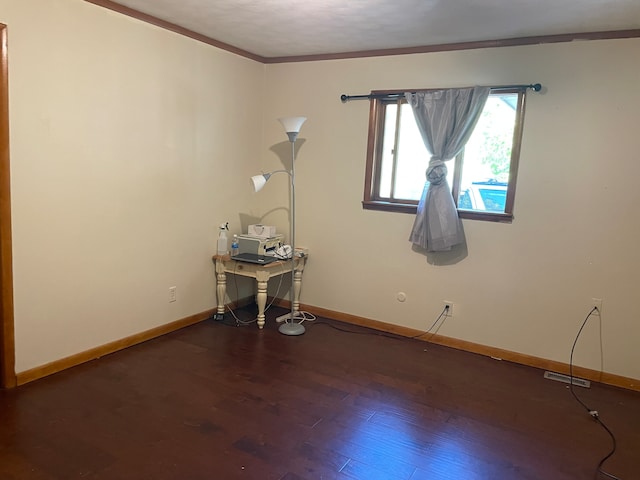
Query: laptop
x=254 y=258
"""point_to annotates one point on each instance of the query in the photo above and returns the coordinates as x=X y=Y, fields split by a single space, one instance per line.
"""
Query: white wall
x=129 y=145
x=525 y=286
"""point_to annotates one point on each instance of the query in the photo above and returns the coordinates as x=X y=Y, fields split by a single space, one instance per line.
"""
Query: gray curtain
x=446 y=119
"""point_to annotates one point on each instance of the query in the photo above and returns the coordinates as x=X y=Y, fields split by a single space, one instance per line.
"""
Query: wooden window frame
x=372 y=199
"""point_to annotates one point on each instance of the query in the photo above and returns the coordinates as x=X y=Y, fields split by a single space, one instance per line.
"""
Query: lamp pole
x=292 y=127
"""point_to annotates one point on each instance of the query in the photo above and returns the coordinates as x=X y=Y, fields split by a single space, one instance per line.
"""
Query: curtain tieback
x=437 y=171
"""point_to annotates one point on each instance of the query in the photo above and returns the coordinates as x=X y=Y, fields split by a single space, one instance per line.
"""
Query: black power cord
x=593 y=413
x=443 y=313
x=381 y=334
x=228 y=307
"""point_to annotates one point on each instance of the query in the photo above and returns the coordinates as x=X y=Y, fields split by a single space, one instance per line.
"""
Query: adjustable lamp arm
x=259 y=181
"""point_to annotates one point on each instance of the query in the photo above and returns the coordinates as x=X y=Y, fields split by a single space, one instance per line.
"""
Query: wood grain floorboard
x=219 y=401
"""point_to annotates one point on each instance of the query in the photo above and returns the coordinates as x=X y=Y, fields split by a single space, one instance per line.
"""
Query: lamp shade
x=292 y=124
x=259 y=181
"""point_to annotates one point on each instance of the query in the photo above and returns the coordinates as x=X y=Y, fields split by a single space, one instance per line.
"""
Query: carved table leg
x=297 y=284
x=221 y=287
x=261 y=300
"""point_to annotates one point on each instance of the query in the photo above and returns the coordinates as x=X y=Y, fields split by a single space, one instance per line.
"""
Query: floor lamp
x=292 y=126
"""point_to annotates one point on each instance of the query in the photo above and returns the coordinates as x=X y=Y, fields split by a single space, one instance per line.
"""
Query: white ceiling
x=281 y=28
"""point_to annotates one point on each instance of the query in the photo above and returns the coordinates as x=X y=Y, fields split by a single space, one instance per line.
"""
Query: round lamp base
x=291 y=329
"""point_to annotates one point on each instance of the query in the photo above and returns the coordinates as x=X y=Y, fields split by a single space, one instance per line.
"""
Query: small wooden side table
x=262 y=273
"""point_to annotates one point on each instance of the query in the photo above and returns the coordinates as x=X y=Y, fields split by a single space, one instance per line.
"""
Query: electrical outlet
x=597 y=303
x=449 y=308
x=172 y=294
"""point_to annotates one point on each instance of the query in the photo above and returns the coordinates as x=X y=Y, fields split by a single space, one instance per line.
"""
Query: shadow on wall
x=248 y=219
x=453 y=256
x=283 y=151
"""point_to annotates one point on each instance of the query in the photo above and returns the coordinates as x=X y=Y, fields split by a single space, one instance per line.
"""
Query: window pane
x=388 y=141
x=413 y=158
x=487 y=157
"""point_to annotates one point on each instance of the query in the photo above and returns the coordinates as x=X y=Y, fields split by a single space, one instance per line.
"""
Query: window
x=482 y=177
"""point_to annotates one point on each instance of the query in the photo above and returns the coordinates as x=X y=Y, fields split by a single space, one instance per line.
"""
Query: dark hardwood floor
x=214 y=401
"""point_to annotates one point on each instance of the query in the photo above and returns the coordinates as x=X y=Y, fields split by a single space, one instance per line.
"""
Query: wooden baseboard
x=494 y=352
x=498 y=353
x=112 y=347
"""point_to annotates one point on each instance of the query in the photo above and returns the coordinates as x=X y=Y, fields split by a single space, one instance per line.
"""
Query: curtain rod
x=536 y=87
